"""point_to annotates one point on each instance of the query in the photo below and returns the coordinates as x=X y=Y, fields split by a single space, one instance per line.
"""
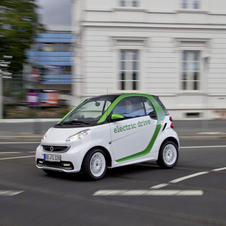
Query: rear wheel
x=168 y=155
x=95 y=165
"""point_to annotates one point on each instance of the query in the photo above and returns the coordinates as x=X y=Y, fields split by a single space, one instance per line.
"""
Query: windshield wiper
x=74 y=122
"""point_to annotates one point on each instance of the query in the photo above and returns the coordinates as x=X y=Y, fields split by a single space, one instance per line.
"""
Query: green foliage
x=12 y=111
x=18 y=27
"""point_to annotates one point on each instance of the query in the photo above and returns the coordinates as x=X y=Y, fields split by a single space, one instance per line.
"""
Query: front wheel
x=95 y=165
x=168 y=155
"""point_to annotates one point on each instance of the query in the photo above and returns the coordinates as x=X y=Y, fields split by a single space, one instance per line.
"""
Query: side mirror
x=116 y=116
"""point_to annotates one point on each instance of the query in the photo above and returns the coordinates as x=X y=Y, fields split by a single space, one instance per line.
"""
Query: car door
x=132 y=135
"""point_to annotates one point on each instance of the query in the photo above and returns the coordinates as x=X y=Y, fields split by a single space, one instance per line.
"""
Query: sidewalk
x=25 y=128
x=186 y=129
x=200 y=129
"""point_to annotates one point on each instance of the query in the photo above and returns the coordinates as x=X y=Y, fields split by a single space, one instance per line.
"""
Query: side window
x=161 y=104
x=130 y=107
x=149 y=108
x=107 y=104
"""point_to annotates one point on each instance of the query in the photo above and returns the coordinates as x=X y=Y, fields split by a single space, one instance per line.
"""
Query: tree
x=18 y=28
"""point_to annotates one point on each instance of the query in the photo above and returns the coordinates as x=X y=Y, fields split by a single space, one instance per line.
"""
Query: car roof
x=121 y=94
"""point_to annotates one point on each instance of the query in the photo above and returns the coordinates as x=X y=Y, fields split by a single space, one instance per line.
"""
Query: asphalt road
x=193 y=193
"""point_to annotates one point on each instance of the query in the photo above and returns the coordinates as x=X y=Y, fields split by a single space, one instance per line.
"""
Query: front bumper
x=70 y=162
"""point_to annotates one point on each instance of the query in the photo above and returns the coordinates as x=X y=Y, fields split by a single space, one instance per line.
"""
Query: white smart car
x=110 y=131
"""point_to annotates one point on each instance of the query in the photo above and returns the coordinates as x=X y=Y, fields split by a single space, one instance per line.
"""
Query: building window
x=128 y=3
x=67 y=70
x=54 y=47
x=48 y=47
x=190 y=4
x=128 y=70
x=36 y=47
x=57 y=70
x=190 y=70
x=62 y=47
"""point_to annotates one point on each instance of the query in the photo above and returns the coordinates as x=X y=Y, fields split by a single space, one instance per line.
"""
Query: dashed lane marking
x=212 y=133
x=159 y=186
x=194 y=147
x=17 y=152
x=154 y=189
x=148 y=193
x=188 y=177
x=219 y=169
x=9 y=192
x=21 y=142
x=20 y=157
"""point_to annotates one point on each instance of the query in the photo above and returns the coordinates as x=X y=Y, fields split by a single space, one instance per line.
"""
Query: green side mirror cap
x=116 y=116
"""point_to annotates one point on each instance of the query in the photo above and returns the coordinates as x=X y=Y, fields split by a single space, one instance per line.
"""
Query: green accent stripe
x=147 y=149
x=160 y=115
x=70 y=112
x=111 y=107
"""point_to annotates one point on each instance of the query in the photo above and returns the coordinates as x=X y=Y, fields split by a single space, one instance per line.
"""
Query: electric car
x=110 y=131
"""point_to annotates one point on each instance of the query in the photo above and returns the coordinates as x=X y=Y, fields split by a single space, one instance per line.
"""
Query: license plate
x=52 y=158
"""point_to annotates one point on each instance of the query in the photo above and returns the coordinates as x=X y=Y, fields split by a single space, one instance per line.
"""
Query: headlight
x=44 y=137
x=79 y=136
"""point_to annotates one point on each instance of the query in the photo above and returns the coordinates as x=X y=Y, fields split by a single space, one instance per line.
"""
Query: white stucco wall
x=160 y=31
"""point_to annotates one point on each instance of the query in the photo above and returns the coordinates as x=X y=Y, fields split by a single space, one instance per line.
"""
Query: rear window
x=161 y=104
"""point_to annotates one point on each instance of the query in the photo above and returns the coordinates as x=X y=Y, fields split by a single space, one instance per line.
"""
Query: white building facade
x=175 y=49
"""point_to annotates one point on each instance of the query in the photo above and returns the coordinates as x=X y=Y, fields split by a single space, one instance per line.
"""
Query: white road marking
x=158 y=192
x=188 y=177
x=9 y=192
x=129 y=192
x=211 y=133
x=20 y=157
x=159 y=186
x=219 y=169
x=17 y=152
x=194 y=147
x=148 y=193
x=21 y=142
x=186 y=147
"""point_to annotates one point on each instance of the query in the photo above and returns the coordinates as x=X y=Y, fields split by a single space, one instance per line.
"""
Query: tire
x=168 y=155
x=95 y=164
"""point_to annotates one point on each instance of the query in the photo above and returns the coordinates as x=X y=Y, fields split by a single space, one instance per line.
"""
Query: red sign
x=35 y=75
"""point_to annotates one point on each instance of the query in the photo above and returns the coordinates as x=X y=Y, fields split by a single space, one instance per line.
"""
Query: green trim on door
x=70 y=112
x=160 y=116
x=147 y=149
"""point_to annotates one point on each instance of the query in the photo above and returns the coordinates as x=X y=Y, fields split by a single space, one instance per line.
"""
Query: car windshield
x=88 y=113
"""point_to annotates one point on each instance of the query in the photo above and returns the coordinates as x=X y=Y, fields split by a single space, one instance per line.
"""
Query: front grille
x=55 y=148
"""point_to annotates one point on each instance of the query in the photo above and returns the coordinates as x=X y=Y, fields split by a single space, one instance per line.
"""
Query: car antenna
x=108 y=106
